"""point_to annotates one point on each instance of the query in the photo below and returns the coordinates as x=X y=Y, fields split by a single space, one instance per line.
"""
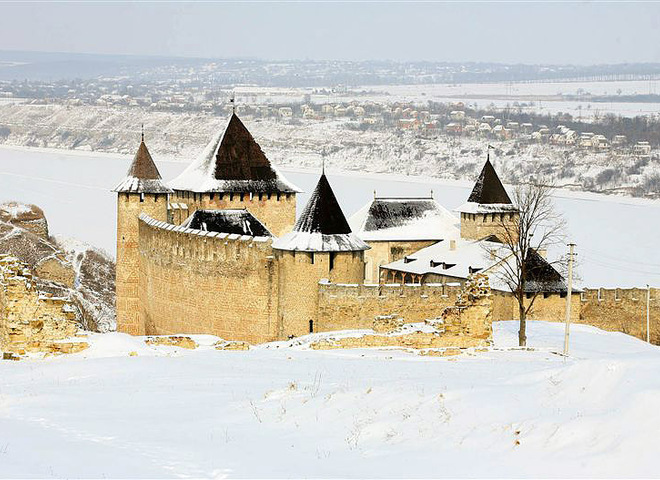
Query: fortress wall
x=355 y=306
x=550 y=308
x=276 y=212
x=299 y=277
x=205 y=282
x=622 y=310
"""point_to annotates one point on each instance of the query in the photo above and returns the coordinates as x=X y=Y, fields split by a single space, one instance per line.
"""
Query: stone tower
x=320 y=247
x=141 y=191
x=234 y=173
x=489 y=210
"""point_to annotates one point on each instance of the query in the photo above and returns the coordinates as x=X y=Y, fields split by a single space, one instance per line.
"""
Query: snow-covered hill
x=284 y=411
x=182 y=136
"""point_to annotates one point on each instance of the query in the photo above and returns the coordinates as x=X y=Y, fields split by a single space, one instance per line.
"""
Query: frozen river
x=617 y=238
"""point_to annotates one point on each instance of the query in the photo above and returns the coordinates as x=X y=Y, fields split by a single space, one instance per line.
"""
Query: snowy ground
x=279 y=411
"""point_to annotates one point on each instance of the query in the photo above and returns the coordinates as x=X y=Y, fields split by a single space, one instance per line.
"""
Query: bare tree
x=525 y=238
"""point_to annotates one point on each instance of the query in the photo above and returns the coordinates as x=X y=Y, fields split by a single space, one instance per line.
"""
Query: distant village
x=428 y=120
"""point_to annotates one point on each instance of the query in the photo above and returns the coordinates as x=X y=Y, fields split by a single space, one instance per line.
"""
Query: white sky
x=584 y=32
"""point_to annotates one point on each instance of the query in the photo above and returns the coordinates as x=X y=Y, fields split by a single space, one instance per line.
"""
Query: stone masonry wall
x=622 y=310
x=129 y=208
x=299 y=276
x=344 y=307
x=205 y=282
x=30 y=320
x=475 y=226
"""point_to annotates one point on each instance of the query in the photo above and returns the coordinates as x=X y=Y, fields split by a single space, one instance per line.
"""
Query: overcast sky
x=581 y=33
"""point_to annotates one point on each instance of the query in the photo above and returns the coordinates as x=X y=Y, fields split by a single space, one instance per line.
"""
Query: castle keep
x=218 y=250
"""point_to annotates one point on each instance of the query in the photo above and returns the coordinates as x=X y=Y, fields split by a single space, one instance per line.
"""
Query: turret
x=141 y=191
x=234 y=173
x=321 y=246
x=489 y=210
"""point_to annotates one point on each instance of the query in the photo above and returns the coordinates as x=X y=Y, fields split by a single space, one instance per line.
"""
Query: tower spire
x=323 y=154
x=143 y=132
x=232 y=100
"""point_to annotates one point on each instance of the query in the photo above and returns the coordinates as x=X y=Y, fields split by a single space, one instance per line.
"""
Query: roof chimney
x=452 y=244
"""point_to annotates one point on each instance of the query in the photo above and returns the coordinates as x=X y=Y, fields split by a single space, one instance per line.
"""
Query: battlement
x=351 y=306
x=195 y=281
x=199 y=244
x=373 y=290
x=620 y=295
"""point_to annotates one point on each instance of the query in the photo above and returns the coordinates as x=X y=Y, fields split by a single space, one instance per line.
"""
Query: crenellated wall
x=353 y=306
x=206 y=282
x=622 y=310
x=475 y=226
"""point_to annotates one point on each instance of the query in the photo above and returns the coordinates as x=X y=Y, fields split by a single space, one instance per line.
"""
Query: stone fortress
x=218 y=250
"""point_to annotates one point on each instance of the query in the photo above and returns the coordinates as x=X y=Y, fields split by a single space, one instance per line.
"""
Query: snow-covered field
x=279 y=411
x=616 y=236
x=545 y=97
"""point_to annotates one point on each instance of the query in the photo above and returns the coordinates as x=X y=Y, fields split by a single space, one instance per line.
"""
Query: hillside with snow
x=299 y=143
x=125 y=409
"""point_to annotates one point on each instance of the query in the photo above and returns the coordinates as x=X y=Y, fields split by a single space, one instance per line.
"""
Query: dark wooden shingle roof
x=322 y=214
x=240 y=157
x=489 y=188
x=143 y=175
x=240 y=222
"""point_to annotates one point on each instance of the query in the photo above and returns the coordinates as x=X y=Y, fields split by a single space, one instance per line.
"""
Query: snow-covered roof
x=466 y=257
x=233 y=162
x=238 y=221
x=404 y=219
x=461 y=257
x=472 y=207
x=143 y=175
x=322 y=226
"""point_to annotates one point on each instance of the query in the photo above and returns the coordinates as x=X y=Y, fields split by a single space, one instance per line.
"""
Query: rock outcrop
x=26 y=216
x=60 y=267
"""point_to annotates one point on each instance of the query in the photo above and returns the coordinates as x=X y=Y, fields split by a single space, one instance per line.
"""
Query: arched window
x=311 y=326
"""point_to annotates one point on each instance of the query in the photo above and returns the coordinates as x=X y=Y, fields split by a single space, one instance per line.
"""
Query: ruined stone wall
x=382 y=253
x=276 y=212
x=344 y=307
x=475 y=226
x=205 y=282
x=129 y=208
x=300 y=273
x=622 y=310
x=29 y=319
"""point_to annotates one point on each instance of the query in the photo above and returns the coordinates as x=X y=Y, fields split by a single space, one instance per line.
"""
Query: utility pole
x=648 y=313
x=571 y=246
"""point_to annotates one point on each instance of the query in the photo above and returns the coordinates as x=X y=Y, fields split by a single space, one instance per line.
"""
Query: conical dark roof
x=322 y=226
x=232 y=162
x=240 y=157
x=489 y=188
x=143 y=175
x=322 y=214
